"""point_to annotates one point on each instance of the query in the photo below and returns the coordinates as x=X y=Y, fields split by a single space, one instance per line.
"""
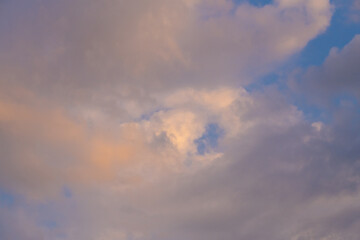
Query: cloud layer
x=131 y=120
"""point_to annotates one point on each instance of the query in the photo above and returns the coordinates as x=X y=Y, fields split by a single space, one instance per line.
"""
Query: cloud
x=44 y=148
x=280 y=177
x=86 y=50
x=337 y=76
x=59 y=148
x=354 y=15
x=277 y=176
x=104 y=107
x=16 y=223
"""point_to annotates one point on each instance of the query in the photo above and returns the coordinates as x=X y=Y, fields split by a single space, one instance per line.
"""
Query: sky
x=180 y=120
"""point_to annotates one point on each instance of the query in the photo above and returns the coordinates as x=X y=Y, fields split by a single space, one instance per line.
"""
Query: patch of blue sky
x=49 y=215
x=346 y=100
x=146 y=116
x=50 y=224
x=340 y=32
x=258 y=3
x=67 y=192
x=312 y=112
x=262 y=82
x=6 y=199
x=316 y=112
x=209 y=140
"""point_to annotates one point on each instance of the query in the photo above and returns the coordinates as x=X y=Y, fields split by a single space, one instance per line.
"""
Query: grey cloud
x=17 y=224
x=273 y=182
x=278 y=178
x=87 y=53
x=338 y=75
